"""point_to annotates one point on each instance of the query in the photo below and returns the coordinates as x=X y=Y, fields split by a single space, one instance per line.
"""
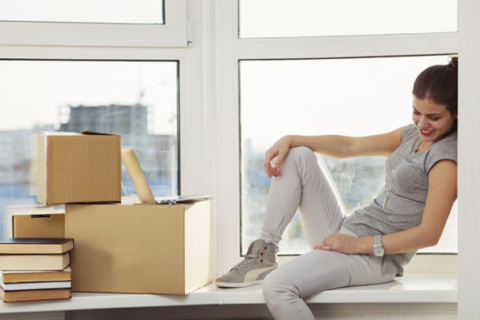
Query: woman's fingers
x=279 y=151
x=282 y=153
x=271 y=171
x=323 y=247
x=339 y=242
x=267 y=165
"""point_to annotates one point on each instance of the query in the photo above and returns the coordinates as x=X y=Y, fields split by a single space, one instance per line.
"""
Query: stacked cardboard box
x=73 y=168
x=120 y=246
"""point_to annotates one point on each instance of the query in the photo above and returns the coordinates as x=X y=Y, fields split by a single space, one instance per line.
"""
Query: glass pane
x=92 y=11
x=311 y=18
x=353 y=97
x=135 y=99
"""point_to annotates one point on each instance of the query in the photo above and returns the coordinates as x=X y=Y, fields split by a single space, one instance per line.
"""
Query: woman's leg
x=313 y=272
x=304 y=184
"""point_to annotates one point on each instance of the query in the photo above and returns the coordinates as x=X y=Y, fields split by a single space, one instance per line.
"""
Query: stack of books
x=35 y=269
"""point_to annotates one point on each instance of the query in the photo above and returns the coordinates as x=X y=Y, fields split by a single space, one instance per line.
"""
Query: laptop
x=141 y=185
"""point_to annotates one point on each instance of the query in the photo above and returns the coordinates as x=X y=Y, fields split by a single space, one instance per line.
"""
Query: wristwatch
x=378 y=249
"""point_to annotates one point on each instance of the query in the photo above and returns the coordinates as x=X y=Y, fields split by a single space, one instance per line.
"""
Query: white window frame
x=171 y=34
x=209 y=111
x=231 y=49
x=193 y=139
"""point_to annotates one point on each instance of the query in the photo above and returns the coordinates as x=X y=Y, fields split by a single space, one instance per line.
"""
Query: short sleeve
x=409 y=132
x=445 y=149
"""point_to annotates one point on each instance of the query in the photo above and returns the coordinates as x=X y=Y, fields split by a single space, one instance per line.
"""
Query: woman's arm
x=442 y=191
x=341 y=147
x=334 y=146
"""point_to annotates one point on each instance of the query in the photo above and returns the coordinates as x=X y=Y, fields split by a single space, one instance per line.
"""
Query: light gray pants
x=306 y=184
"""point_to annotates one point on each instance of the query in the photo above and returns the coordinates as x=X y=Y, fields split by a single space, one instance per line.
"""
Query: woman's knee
x=268 y=287
x=276 y=288
x=301 y=152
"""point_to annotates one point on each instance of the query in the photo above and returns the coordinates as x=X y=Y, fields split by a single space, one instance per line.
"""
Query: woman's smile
x=432 y=120
x=426 y=132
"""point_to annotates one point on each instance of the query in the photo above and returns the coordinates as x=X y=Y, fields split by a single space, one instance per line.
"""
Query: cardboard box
x=39 y=225
x=75 y=168
x=128 y=248
x=33 y=221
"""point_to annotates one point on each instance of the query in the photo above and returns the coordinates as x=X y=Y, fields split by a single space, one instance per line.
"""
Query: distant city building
x=157 y=154
x=119 y=119
x=16 y=148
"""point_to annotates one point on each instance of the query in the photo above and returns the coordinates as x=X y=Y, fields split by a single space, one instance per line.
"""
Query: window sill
x=412 y=289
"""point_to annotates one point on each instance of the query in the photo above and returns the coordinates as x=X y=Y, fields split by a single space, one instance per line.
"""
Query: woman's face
x=433 y=120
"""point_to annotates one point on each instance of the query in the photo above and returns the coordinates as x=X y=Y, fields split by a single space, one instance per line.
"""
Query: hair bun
x=453 y=62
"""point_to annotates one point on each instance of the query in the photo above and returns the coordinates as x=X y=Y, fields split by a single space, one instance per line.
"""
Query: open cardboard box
x=128 y=248
x=74 y=167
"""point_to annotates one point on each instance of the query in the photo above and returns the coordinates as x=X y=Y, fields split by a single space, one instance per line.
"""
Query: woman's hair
x=440 y=85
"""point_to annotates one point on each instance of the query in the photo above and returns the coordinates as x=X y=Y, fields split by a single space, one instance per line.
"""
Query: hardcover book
x=33 y=295
x=34 y=262
x=35 y=246
x=36 y=285
x=15 y=276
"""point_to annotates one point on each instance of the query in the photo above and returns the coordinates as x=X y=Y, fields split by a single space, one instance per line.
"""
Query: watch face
x=378 y=251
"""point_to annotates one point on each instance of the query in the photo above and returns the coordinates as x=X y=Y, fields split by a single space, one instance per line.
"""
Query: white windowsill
x=413 y=288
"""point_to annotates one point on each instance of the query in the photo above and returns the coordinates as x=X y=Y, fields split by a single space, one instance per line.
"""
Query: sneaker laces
x=248 y=258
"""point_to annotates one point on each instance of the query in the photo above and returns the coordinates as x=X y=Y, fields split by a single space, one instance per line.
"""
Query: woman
x=371 y=245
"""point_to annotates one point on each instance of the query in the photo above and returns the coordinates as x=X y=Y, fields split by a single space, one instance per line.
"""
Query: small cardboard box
x=32 y=221
x=127 y=248
x=75 y=168
x=39 y=225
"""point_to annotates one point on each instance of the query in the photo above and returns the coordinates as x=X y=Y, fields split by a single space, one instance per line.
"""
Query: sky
x=318 y=96
x=32 y=92
x=279 y=18
x=353 y=97
x=275 y=95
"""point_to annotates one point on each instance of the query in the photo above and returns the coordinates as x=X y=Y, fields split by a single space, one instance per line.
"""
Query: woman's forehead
x=428 y=106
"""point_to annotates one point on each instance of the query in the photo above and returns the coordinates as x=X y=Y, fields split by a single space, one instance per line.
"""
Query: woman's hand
x=342 y=243
x=279 y=150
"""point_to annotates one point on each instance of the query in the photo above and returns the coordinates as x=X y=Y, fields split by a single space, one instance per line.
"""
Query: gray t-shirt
x=399 y=205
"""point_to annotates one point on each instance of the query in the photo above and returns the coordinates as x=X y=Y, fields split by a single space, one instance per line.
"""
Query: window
x=242 y=52
x=104 y=23
x=114 y=69
x=103 y=11
x=310 y=18
x=138 y=100
x=353 y=97
x=159 y=75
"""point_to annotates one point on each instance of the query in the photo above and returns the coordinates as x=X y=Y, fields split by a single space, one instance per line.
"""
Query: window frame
x=232 y=49
x=193 y=139
x=171 y=34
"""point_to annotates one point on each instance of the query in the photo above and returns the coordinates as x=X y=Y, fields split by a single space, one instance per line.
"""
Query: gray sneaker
x=259 y=261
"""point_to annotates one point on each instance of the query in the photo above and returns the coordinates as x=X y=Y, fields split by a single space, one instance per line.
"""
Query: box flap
x=41 y=174
x=36 y=212
x=98 y=133
x=60 y=133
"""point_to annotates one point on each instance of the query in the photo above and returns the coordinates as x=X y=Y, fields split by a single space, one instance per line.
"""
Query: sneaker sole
x=237 y=285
